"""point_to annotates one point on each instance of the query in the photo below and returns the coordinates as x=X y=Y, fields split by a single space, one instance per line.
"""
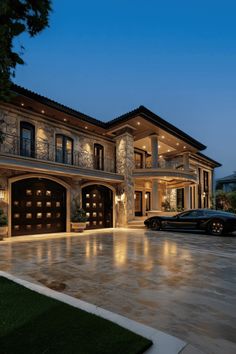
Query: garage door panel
x=38 y=206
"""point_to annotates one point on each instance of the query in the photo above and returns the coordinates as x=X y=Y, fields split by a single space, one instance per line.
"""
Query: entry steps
x=137 y=223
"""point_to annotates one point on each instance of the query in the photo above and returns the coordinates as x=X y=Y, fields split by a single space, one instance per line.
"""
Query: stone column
x=125 y=166
x=155 y=195
x=187 y=197
x=154 y=147
x=76 y=195
x=186 y=161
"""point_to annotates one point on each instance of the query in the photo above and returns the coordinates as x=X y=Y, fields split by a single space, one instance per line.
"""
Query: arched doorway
x=38 y=206
x=97 y=201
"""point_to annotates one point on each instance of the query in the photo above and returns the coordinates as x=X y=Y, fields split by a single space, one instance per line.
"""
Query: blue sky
x=178 y=58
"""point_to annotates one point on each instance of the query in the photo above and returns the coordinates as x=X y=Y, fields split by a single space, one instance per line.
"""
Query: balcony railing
x=175 y=164
x=42 y=150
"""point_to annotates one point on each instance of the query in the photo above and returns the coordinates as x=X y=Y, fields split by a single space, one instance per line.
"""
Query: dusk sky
x=178 y=58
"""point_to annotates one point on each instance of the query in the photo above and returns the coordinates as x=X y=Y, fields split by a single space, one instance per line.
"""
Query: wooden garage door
x=38 y=206
x=98 y=202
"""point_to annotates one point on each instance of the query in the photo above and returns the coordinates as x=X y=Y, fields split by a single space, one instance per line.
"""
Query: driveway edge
x=162 y=342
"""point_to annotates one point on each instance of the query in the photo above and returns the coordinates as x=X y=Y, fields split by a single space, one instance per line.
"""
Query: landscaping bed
x=33 y=323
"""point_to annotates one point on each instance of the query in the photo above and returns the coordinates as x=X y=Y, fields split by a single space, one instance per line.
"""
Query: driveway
x=183 y=284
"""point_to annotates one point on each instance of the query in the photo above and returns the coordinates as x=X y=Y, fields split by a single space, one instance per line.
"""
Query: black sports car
x=214 y=222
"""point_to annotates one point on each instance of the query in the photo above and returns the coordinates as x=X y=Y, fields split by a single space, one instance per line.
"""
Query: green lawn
x=33 y=323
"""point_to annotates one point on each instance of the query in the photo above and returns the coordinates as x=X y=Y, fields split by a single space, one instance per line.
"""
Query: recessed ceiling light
x=177 y=144
x=42 y=111
x=22 y=104
x=168 y=150
x=138 y=123
x=86 y=127
x=184 y=147
x=144 y=146
x=163 y=137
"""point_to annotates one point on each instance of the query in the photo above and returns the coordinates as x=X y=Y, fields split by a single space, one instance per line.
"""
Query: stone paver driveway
x=183 y=284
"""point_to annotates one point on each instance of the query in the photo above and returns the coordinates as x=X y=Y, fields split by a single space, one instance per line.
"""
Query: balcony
x=165 y=168
x=22 y=153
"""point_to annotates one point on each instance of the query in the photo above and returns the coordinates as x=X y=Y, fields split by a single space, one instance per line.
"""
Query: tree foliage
x=17 y=17
x=226 y=201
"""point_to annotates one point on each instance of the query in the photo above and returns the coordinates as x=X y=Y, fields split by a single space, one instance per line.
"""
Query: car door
x=190 y=220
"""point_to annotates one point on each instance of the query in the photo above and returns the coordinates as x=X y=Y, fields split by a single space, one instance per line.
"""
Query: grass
x=33 y=323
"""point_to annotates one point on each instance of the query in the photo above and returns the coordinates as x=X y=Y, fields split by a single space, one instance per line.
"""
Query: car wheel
x=216 y=227
x=155 y=225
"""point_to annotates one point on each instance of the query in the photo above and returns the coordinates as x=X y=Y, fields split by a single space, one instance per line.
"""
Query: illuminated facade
x=53 y=158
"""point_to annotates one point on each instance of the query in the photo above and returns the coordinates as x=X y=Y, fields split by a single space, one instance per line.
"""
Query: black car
x=214 y=222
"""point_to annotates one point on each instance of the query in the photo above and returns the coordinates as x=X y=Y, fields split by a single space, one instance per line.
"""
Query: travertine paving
x=183 y=284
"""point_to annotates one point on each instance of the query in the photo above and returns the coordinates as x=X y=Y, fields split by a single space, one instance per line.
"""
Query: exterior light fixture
x=144 y=147
x=163 y=137
x=177 y=144
x=22 y=104
x=159 y=146
x=146 y=196
x=86 y=127
x=134 y=195
x=184 y=147
x=65 y=120
x=138 y=123
x=2 y=193
x=42 y=111
x=168 y=150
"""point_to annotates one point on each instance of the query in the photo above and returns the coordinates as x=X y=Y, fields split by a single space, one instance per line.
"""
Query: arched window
x=64 y=149
x=27 y=139
x=98 y=157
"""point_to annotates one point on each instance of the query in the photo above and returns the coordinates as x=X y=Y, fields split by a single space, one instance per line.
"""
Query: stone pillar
x=125 y=166
x=154 y=147
x=186 y=161
x=76 y=195
x=155 y=195
x=187 y=197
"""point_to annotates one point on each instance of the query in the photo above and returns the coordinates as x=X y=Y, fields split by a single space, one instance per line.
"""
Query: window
x=98 y=157
x=205 y=188
x=138 y=160
x=192 y=214
x=64 y=149
x=180 y=198
x=27 y=139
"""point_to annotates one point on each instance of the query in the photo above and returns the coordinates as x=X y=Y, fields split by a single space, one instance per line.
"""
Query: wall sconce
x=204 y=194
x=146 y=196
x=2 y=193
x=134 y=195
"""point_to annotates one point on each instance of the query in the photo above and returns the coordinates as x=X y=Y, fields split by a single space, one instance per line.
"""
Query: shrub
x=79 y=215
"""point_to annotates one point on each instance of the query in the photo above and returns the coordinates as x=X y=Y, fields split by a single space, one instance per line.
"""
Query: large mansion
x=53 y=158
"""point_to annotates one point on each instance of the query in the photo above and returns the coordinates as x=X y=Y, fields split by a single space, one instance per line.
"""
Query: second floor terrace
x=24 y=150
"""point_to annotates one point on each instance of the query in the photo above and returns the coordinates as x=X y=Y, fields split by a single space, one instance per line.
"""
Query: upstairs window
x=64 y=149
x=138 y=160
x=98 y=157
x=27 y=139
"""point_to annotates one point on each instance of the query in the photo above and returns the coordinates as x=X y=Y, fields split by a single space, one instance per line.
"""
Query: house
x=53 y=158
x=227 y=184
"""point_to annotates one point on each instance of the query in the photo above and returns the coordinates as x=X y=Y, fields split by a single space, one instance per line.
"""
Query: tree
x=16 y=17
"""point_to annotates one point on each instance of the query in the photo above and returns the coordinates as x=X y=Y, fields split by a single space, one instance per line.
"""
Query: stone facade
x=125 y=166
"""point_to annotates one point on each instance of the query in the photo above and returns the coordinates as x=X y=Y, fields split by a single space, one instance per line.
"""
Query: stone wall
x=125 y=166
x=45 y=133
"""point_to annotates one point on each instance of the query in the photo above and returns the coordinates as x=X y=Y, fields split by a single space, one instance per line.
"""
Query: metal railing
x=43 y=150
x=175 y=164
